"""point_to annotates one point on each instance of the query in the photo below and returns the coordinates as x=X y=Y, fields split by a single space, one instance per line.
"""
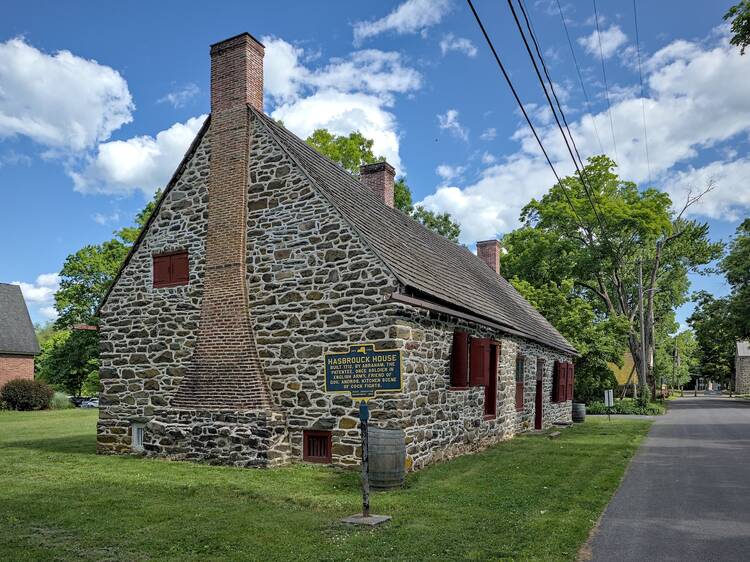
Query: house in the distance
x=18 y=343
x=742 y=368
x=261 y=257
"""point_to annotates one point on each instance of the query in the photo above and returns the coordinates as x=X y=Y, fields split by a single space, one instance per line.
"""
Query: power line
x=523 y=109
x=580 y=78
x=643 y=95
x=604 y=74
x=581 y=170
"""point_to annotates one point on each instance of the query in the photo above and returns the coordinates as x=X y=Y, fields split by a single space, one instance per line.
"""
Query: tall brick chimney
x=225 y=372
x=489 y=252
x=378 y=178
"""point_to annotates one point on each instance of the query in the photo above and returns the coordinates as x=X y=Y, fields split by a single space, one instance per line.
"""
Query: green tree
x=354 y=150
x=69 y=359
x=740 y=16
x=714 y=336
x=736 y=268
x=600 y=340
x=594 y=237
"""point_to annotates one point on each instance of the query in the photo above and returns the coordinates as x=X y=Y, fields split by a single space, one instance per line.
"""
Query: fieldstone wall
x=742 y=375
x=147 y=334
x=314 y=288
x=441 y=422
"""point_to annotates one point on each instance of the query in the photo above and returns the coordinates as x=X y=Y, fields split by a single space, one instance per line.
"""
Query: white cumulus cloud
x=40 y=294
x=142 y=163
x=412 y=16
x=448 y=172
x=59 y=100
x=352 y=93
x=179 y=97
x=611 y=39
x=449 y=121
x=450 y=42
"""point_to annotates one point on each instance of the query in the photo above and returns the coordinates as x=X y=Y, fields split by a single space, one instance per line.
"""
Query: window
x=460 y=360
x=136 y=442
x=562 y=383
x=316 y=446
x=520 y=365
x=171 y=270
x=490 y=390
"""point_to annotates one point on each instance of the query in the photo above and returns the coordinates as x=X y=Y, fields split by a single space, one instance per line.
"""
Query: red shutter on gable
x=180 y=268
x=161 y=271
x=460 y=360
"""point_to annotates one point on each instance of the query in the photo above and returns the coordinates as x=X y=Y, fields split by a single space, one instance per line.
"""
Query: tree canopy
x=354 y=150
x=587 y=238
x=740 y=16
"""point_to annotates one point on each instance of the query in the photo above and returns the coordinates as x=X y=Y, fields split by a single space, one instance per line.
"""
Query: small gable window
x=520 y=365
x=171 y=270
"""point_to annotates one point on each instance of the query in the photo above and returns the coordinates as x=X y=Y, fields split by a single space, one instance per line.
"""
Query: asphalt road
x=686 y=494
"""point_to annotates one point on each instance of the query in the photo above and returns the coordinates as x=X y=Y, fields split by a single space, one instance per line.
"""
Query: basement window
x=136 y=431
x=316 y=446
x=171 y=270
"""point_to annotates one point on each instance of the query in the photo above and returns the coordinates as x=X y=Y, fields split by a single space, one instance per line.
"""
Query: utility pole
x=643 y=380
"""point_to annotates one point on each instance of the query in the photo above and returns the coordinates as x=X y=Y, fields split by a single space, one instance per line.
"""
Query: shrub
x=60 y=401
x=627 y=407
x=24 y=394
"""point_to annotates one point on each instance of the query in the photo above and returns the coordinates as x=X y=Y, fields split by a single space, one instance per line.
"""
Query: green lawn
x=529 y=498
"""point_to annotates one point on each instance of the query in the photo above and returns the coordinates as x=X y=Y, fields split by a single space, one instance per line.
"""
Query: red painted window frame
x=460 y=361
x=328 y=447
x=172 y=257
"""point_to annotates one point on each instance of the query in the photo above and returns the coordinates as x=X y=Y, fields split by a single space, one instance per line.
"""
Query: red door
x=538 y=402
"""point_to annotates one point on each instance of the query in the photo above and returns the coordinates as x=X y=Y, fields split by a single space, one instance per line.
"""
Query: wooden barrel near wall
x=579 y=411
x=387 y=449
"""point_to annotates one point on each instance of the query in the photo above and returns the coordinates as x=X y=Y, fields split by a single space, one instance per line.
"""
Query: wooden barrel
x=387 y=453
x=579 y=411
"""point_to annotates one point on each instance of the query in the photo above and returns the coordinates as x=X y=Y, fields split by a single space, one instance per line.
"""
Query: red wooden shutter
x=180 y=268
x=161 y=271
x=476 y=362
x=556 y=382
x=570 y=381
x=486 y=343
x=460 y=360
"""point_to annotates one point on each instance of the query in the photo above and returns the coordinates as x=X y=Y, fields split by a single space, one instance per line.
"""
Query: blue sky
x=98 y=102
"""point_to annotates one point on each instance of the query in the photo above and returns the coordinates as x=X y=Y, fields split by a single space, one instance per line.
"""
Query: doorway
x=538 y=401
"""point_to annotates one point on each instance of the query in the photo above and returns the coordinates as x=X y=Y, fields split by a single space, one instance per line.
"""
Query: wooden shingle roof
x=17 y=336
x=423 y=261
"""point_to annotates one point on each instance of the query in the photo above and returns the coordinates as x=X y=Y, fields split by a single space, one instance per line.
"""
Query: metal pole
x=364 y=415
x=644 y=382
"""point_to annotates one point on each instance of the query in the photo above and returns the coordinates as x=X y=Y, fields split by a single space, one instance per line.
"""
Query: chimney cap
x=227 y=43
x=377 y=167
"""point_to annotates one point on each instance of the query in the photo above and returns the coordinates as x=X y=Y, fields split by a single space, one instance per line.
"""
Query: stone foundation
x=245 y=439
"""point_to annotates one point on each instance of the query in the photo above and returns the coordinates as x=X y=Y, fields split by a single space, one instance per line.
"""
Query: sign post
x=364 y=414
x=362 y=372
x=609 y=401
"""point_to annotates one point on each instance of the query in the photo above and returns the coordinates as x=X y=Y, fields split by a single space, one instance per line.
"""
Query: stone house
x=18 y=343
x=742 y=368
x=262 y=256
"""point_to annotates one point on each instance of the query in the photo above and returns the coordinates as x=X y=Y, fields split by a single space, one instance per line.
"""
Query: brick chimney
x=378 y=178
x=489 y=252
x=225 y=371
x=237 y=73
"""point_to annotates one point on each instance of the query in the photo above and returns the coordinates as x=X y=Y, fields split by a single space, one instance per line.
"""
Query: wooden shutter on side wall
x=556 y=375
x=460 y=360
x=571 y=377
x=479 y=361
x=180 y=269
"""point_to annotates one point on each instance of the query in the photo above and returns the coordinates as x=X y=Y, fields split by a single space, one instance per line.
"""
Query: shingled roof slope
x=421 y=259
x=17 y=336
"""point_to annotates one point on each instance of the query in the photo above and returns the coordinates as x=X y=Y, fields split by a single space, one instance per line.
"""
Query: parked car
x=77 y=400
x=90 y=403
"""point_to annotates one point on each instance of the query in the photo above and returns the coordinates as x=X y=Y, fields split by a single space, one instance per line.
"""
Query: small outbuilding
x=18 y=343
x=742 y=368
